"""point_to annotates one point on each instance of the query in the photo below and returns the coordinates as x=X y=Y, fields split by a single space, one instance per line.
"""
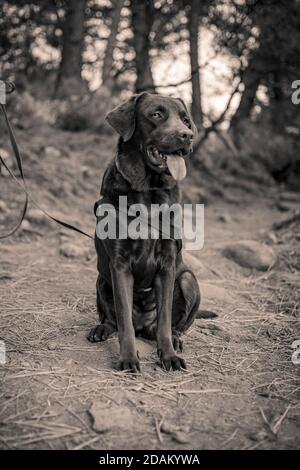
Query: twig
x=157 y=429
x=278 y=423
x=229 y=438
x=32 y=374
x=4 y=442
x=188 y=392
x=266 y=420
x=72 y=413
x=47 y=436
x=87 y=443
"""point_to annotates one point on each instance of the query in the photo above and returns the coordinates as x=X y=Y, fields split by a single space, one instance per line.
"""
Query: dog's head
x=160 y=127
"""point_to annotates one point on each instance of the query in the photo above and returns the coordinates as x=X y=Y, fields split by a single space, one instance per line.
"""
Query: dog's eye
x=156 y=115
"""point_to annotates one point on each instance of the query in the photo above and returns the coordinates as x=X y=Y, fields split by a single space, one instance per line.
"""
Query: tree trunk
x=69 y=79
x=142 y=20
x=193 y=26
x=278 y=104
x=251 y=81
x=111 y=43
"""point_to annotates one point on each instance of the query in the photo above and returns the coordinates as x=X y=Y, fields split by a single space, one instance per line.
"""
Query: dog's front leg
x=164 y=288
x=122 y=280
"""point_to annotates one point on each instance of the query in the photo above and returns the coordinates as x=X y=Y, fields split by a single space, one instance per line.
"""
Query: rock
x=36 y=216
x=145 y=348
x=168 y=428
x=224 y=217
x=198 y=268
x=212 y=293
x=70 y=250
x=181 y=437
x=52 y=345
x=26 y=226
x=107 y=418
x=178 y=434
x=3 y=208
x=52 y=152
x=4 y=154
x=215 y=330
x=5 y=277
x=86 y=171
x=250 y=254
x=258 y=436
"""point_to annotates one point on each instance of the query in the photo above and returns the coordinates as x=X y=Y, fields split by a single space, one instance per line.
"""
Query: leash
x=9 y=89
x=15 y=148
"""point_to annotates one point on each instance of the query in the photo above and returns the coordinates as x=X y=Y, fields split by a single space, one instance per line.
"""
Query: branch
x=125 y=68
x=186 y=80
x=60 y=21
x=219 y=120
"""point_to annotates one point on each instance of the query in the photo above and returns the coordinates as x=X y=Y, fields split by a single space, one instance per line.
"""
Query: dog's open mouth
x=173 y=161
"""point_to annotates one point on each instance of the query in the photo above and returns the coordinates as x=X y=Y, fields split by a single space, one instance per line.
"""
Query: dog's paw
x=177 y=343
x=130 y=364
x=99 y=333
x=171 y=362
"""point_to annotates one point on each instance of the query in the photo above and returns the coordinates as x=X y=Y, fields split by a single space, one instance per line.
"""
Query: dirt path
x=240 y=390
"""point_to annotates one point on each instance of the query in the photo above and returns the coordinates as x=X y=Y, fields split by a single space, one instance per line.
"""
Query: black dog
x=143 y=287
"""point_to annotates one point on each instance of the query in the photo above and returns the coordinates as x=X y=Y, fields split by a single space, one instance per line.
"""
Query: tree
x=274 y=28
x=142 y=17
x=251 y=80
x=111 y=43
x=69 y=79
x=17 y=35
x=193 y=27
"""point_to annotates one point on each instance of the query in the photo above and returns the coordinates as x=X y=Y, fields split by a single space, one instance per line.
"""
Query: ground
x=241 y=388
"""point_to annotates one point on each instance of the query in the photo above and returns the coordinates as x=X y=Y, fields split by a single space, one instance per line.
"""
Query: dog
x=143 y=287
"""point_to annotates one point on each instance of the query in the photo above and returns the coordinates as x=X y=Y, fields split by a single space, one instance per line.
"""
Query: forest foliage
x=97 y=51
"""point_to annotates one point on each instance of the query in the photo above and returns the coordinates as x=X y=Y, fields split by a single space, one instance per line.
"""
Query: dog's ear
x=122 y=118
x=193 y=125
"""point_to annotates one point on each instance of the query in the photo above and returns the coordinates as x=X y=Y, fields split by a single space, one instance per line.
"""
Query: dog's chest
x=150 y=256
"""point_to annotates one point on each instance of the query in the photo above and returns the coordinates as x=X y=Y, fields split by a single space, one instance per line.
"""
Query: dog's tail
x=206 y=314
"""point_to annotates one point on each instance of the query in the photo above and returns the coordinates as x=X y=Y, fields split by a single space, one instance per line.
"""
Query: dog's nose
x=185 y=136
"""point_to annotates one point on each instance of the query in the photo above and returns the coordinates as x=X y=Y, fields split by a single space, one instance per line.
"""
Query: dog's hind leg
x=106 y=311
x=186 y=301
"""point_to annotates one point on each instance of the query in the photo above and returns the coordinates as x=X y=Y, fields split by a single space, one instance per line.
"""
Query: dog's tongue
x=176 y=167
